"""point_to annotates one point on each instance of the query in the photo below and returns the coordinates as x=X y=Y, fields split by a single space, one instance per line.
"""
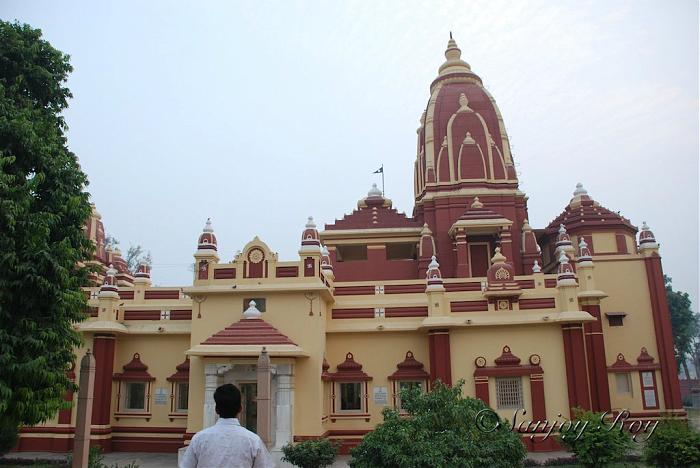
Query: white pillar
x=285 y=406
x=211 y=381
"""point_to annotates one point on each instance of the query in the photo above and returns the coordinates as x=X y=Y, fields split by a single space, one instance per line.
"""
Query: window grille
x=509 y=392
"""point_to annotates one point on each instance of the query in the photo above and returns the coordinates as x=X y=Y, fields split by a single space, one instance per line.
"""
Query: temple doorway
x=249 y=413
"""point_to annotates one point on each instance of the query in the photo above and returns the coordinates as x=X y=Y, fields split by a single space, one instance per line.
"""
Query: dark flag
x=379 y=171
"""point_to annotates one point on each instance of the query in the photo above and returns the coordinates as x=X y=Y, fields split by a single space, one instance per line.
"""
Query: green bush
x=673 y=443
x=598 y=443
x=438 y=431
x=315 y=453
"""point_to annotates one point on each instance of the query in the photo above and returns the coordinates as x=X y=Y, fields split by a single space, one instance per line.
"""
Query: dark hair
x=228 y=401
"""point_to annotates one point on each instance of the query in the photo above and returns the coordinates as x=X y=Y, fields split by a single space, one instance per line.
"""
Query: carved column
x=285 y=405
x=440 y=361
x=211 y=382
x=263 y=397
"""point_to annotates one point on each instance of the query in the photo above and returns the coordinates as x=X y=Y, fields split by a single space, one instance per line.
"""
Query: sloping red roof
x=409 y=369
x=479 y=213
x=135 y=370
x=249 y=331
x=588 y=215
x=374 y=213
x=183 y=372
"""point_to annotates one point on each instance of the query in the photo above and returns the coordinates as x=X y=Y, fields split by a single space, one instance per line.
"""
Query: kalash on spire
x=548 y=318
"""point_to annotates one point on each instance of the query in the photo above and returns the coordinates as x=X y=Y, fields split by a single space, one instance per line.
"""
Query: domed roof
x=462 y=139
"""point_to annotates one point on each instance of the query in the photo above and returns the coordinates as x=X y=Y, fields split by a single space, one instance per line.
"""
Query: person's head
x=228 y=401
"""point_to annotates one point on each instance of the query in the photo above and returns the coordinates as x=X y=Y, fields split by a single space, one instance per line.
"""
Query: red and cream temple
x=570 y=315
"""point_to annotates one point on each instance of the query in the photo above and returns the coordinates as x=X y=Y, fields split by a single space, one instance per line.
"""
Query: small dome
x=207 y=239
x=310 y=235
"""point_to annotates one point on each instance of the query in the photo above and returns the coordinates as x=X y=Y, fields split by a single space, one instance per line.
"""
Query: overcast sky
x=258 y=114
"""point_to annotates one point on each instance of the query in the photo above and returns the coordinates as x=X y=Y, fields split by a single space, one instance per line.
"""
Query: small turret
x=433 y=275
x=426 y=249
x=647 y=241
x=143 y=274
x=206 y=251
x=109 y=287
x=565 y=273
x=563 y=243
x=207 y=240
x=326 y=265
x=310 y=237
x=584 y=253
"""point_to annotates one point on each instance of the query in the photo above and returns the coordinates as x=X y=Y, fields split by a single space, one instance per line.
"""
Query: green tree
x=440 y=430
x=673 y=444
x=684 y=324
x=43 y=208
x=594 y=442
x=135 y=256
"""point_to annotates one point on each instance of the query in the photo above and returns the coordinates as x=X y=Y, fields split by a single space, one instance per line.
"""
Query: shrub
x=673 y=443
x=598 y=443
x=438 y=431
x=315 y=453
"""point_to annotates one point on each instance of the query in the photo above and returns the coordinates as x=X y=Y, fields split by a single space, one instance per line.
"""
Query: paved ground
x=169 y=460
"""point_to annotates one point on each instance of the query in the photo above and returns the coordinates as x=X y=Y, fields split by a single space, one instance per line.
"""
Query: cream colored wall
x=545 y=340
x=289 y=313
x=604 y=242
x=379 y=353
x=625 y=282
x=161 y=353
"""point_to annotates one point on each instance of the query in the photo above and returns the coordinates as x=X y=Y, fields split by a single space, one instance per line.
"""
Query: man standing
x=226 y=443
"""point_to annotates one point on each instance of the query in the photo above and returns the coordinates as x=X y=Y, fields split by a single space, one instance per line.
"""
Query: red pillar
x=440 y=362
x=575 y=358
x=597 y=366
x=664 y=335
x=462 y=255
x=539 y=411
x=64 y=416
x=103 y=351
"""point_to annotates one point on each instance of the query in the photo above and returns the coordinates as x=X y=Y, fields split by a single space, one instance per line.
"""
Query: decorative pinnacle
x=310 y=224
x=374 y=191
x=536 y=267
x=433 y=263
x=476 y=203
x=582 y=244
x=498 y=257
x=562 y=229
x=563 y=257
x=207 y=226
x=111 y=271
x=251 y=312
x=580 y=190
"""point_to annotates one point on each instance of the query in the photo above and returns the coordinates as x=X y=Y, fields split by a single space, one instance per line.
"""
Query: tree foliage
x=673 y=443
x=315 y=453
x=43 y=208
x=684 y=323
x=595 y=443
x=438 y=431
x=135 y=256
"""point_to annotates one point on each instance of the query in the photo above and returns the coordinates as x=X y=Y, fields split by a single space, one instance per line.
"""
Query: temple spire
x=454 y=63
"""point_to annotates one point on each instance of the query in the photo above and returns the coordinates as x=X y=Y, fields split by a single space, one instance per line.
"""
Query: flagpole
x=383 y=180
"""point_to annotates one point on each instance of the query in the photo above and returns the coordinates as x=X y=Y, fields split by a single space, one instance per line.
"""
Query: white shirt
x=226 y=444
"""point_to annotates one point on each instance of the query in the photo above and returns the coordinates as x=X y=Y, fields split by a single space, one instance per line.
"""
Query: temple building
x=572 y=314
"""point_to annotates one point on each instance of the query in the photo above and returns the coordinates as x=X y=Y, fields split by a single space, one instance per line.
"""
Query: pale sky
x=258 y=114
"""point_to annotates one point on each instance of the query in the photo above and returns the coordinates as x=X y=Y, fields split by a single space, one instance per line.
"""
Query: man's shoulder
x=243 y=432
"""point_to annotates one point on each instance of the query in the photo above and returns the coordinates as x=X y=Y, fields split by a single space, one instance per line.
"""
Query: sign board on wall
x=161 y=396
x=381 y=396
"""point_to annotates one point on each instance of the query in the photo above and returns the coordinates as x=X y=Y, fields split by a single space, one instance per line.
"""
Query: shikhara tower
x=572 y=314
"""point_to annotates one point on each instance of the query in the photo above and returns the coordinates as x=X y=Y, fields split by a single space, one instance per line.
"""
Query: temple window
x=623 y=383
x=349 y=390
x=134 y=388
x=509 y=392
x=404 y=251
x=406 y=385
x=649 y=396
x=409 y=374
x=351 y=253
x=180 y=390
x=350 y=396
x=135 y=396
x=615 y=318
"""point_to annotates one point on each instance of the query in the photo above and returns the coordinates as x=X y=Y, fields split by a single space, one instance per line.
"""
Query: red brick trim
x=537 y=303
